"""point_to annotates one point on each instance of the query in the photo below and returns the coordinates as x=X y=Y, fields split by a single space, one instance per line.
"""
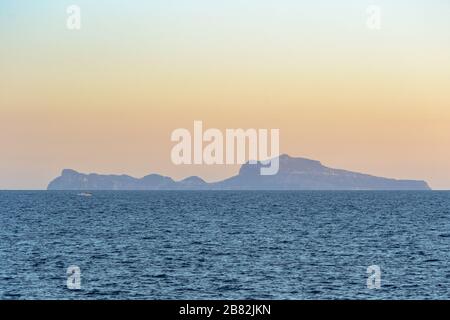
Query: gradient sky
x=107 y=97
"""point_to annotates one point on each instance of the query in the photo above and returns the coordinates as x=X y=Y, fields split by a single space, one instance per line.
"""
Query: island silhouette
x=294 y=174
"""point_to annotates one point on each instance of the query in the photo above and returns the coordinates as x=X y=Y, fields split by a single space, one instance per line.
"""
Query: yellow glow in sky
x=107 y=97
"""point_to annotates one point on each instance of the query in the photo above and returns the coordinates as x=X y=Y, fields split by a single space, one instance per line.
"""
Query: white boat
x=85 y=194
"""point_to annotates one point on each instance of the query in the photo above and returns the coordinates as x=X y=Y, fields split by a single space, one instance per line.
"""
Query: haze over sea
x=225 y=244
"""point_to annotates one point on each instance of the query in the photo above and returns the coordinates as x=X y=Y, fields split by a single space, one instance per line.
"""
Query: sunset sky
x=106 y=98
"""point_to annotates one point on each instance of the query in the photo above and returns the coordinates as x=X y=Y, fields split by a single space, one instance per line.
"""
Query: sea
x=225 y=245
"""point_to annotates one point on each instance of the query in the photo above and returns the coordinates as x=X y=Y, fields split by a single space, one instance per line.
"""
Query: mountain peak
x=68 y=172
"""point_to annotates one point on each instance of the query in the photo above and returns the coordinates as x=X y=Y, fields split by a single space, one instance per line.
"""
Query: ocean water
x=225 y=244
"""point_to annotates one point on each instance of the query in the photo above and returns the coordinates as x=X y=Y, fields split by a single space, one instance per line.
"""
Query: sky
x=106 y=98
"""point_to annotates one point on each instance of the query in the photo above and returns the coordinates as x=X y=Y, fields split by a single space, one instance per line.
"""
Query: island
x=294 y=174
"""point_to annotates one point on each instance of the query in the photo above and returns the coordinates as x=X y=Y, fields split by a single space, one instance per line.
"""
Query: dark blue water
x=225 y=245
